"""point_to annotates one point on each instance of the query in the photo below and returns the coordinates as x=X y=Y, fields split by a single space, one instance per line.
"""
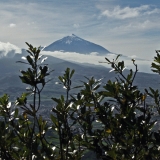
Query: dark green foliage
x=110 y=120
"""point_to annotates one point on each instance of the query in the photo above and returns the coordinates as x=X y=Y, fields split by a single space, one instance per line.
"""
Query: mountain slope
x=10 y=82
x=74 y=43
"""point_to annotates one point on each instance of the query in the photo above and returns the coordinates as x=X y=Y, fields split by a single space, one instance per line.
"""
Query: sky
x=127 y=27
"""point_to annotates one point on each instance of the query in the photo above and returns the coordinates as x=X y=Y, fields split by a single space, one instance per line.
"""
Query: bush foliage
x=110 y=121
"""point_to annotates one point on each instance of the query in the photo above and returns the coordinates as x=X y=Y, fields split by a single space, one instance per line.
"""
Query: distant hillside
x=74 y=43
x=11 y=84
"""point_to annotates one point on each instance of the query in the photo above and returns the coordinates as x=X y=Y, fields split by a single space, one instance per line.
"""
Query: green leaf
x=72 y=72
x=61 y=79
x=30 y=61
x=16 y=112
x=117 y=57
x=56 y=100
x=54 y=119
x=77 y=87
x=44 y=59
x=96 y=87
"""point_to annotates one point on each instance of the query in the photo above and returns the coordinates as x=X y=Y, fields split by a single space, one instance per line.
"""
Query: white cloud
x=76 y=25
x=133 y=56
x=128 y=12
x=12 y=25
x=94 y=53
x=77 y=57
x=135 y=27
x=143 y=65
x=8 y=49
x=152 y=11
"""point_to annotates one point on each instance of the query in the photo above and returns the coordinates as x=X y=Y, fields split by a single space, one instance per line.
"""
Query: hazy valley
x=11 y=84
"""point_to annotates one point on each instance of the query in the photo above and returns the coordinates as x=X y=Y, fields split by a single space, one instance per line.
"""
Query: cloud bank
x=8 y=49
x=143 y=65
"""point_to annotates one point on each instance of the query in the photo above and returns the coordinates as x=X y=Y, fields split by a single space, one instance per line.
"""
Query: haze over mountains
x=11 y=84
x=75 y=49
x=59 y=61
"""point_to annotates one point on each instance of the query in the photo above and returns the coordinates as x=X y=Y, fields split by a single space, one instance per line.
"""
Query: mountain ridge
x=76 y=44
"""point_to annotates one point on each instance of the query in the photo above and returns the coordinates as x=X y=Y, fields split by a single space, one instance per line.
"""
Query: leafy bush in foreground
x=113 y=120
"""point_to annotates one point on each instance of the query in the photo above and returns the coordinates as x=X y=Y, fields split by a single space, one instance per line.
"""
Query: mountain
x=74 y=43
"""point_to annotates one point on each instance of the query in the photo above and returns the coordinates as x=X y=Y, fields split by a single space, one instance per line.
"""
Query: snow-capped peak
x=74 y=43
x=68 y=42
x=70 y=39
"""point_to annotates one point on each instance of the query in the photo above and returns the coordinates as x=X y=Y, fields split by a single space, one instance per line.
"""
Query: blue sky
x=122 y=26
